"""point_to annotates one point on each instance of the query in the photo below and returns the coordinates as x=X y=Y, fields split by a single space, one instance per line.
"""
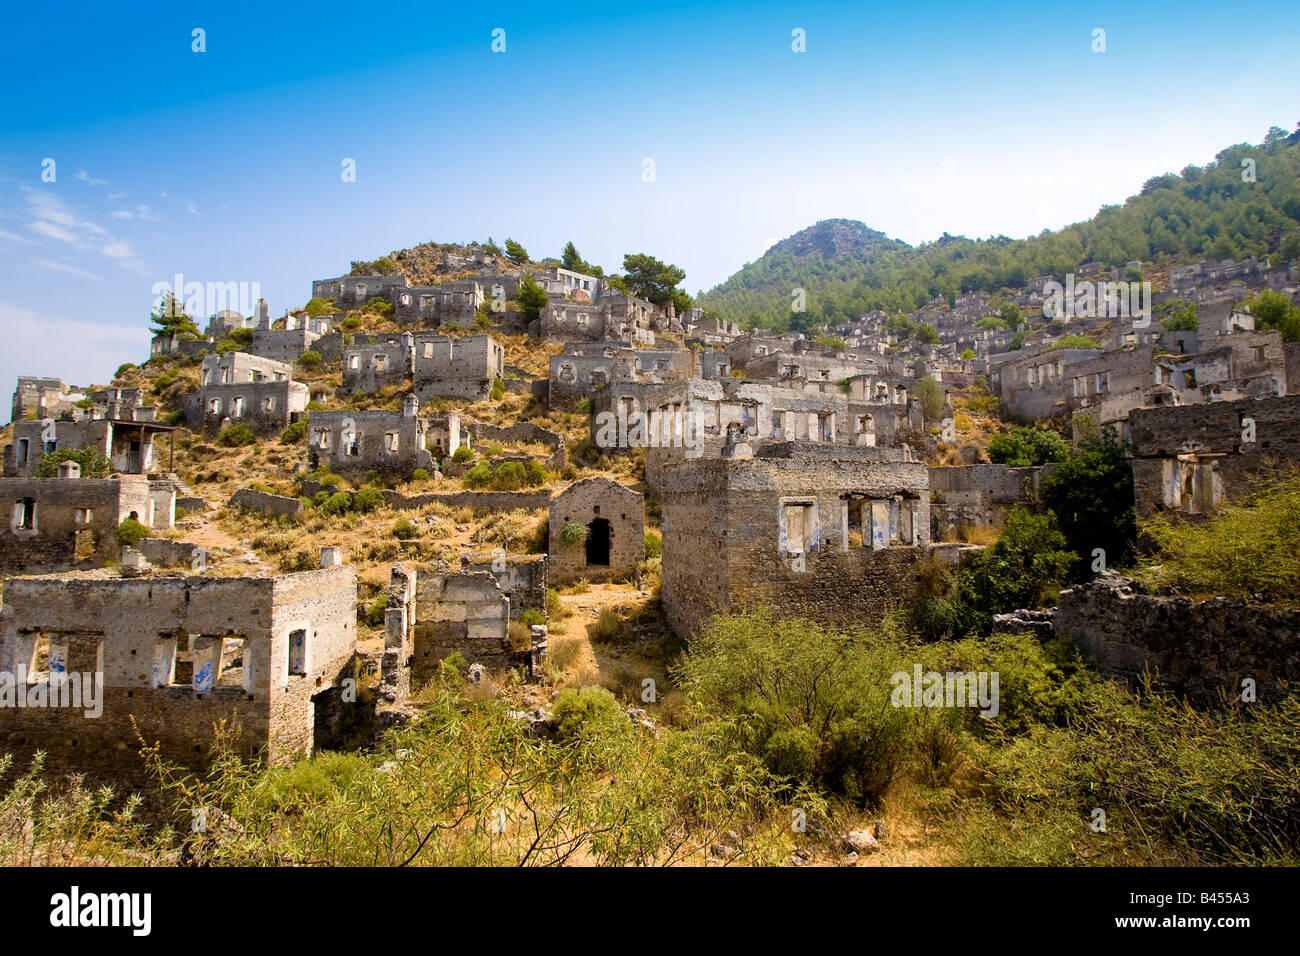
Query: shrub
x=509 y=477
x=498 y=390
x=130 y=532
x=585 y=711
x=374 y=614
x=367 y=500
x=1023 y=447
x=403 y=530
x=338 y=503
x=585 y=406
x=462 y=455
x=236 y=436
x=1091 y=496
x=534 y=473
x=574 y=533
x=654 y=544
x=310 y=360
x=420 y=474
x=480 y=476
x=533 y=616
x=294 y=433
x=607 y=626
x=93 y=462
x=812 y=704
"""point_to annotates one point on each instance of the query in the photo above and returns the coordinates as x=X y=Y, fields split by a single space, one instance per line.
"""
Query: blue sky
x=225 y=165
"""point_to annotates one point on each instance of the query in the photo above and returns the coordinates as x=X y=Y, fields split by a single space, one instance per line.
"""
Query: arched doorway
x=598 y=542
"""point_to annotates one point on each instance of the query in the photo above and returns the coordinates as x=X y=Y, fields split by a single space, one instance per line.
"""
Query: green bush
x=93 y=462
x=480 y=476
x=374 y=614
x=130 y=532
x=420 y=474
x=462 y=455
x=403 y=530
x=813 y=705
x=1023 y=447
x=310 y=360
x=338 y=503
x=574 y=533
x=654 y=544
x=585 y=711
x=585 y=405
x=533 y=616
x=294 y=433
x=509 y=477
x=498 y=390
x=367 y=500
x=236 y=436
x=534 y=473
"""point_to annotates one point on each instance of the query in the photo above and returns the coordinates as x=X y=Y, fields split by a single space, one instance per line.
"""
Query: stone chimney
x=69 y=469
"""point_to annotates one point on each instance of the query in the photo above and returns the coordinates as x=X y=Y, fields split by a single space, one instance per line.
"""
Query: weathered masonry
x=57 y=524
x=831 y=533
x=1190 y=458
x=238 y=388
x=176 y=655
x=357 y=442
x=614 y=544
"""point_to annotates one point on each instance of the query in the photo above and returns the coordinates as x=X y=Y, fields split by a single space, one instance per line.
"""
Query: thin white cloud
x=192 y=208
x=85 y=177
x=12 y=237
x=53 y=265
x=78 y=351
x=51 y=231
x=47 y=207
x=118 y=250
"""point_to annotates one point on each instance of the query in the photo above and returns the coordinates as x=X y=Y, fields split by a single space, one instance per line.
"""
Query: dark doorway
x=598 y=542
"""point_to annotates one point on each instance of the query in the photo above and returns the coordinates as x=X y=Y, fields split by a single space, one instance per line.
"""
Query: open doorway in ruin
x=598 y=538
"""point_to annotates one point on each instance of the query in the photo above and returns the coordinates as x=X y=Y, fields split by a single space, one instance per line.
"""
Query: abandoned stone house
x=613 y=317
x=128 y=444
x=453 y=302
x=568 y=284
x=613 y=517
x=239 y=388
x=1188 y=459
x=582 y=369
x=57 y=524
x=966 y=498
x=178 y=655
x=465 y=367
x=43 y=398
x=691 y=419
x=831 y=533
x=352 y=292
x=354 y=443
x=283 y=345
x=712 y=330
x=374 y=366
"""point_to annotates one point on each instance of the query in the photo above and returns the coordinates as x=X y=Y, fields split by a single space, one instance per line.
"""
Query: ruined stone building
x=239 y=388
x=1188 y=459
x=464 y=367
x=583 y=368
x=127 y=442
x=44 y=398
x=178 y=655
x=964 y=498
x=58 y=524
x=452 y=302
x=444 y=434
x=370 y=367
x=353 y=443
x=352 y=292
x=614 y=540
x=690 y=419
x=832 y=533
x=613 y=317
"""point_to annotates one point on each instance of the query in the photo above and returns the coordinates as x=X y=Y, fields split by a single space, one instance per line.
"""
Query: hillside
x=848 y=269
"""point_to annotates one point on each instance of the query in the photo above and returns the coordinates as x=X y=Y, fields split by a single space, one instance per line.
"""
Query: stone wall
x=135 y=630
x=833 y=534
x=462 y=367
x=977 y=496
x=357 y=442
x=57 y=524
x=1198 y=648
x=1191 y=457
x=524 y=433
x=480 y=502
x=457 y=612
x=615 y=520
x=522 y=579
x=265 y=502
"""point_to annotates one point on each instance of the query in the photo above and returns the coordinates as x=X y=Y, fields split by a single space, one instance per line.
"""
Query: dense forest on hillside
x=1214 y=211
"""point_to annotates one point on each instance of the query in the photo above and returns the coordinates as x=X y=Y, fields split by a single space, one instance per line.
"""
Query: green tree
x=515 y=252
x=1091 y=495
x=93 y=462
x=491 y=248
x=531 y=296
x=1025 y=447
x=648 y=278
x=930 y=394
x=169 y=318
x=1274 y=310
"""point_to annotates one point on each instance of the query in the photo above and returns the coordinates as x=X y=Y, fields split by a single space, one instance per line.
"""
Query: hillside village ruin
x=780 y=472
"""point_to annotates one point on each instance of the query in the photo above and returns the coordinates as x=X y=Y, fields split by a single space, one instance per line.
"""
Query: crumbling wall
x=521 y=578
x=1199 y=648
x=457 y=612
x=590 y=502
x=978 y=496
x=56 y=524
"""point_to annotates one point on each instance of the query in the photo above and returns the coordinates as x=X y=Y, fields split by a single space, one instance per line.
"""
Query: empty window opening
x=298 y=651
